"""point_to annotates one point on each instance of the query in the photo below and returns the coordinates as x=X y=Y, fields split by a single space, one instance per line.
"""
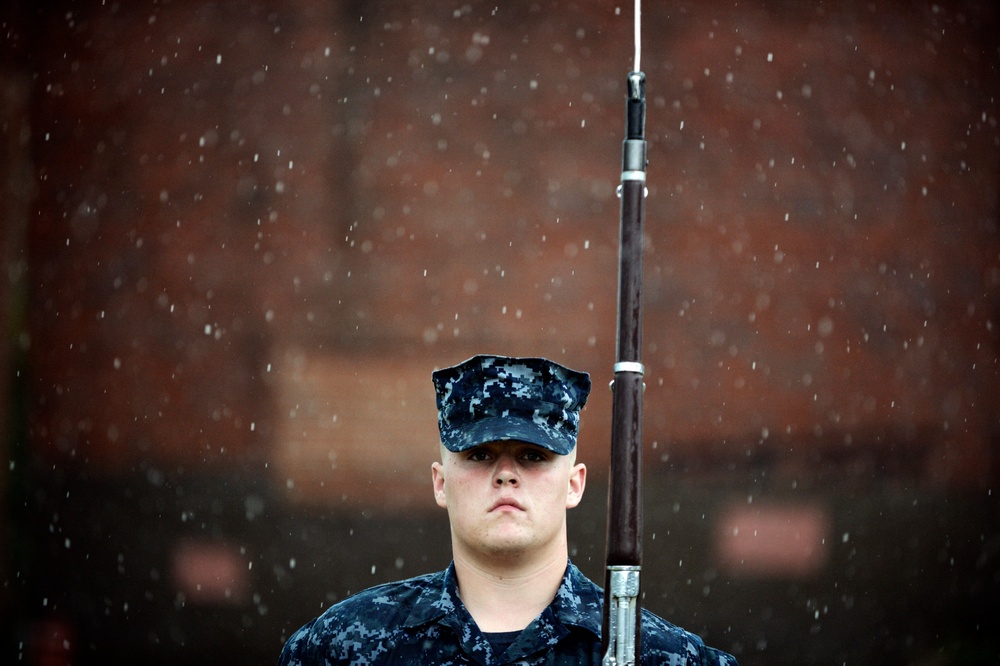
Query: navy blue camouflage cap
x=496 y=398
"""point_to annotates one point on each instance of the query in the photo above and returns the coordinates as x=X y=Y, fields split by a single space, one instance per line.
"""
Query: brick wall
x=221 y=182
x=256 y=227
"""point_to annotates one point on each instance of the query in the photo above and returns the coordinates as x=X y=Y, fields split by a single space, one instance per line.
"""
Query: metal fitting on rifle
x=624 y=591
x=629 y=366
x=634 y=160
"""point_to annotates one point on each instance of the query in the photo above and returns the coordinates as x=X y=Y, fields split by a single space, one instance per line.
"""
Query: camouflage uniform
x=423 y=621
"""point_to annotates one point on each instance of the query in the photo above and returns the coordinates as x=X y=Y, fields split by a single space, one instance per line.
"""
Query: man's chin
x=507 y=543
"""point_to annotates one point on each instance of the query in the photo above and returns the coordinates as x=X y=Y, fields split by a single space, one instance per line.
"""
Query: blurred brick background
x=237 y=237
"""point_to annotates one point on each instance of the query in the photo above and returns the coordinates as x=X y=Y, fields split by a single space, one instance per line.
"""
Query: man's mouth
x=507 y=503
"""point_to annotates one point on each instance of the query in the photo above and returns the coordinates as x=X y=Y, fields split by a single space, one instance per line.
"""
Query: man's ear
x=437 y=477
x=577 y=483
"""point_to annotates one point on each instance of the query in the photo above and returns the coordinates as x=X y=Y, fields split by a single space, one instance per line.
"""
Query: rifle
x=621 y=625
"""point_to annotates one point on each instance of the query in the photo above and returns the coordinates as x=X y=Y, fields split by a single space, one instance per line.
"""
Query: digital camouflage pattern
x=496 y=398
x=423 y=621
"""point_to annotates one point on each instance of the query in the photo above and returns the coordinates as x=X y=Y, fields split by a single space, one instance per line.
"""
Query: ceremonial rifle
x=621 y=626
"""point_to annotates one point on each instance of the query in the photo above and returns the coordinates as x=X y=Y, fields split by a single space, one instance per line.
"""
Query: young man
x=507 y=475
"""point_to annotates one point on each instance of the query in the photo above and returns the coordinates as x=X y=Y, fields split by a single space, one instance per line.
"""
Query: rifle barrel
x=621 y=638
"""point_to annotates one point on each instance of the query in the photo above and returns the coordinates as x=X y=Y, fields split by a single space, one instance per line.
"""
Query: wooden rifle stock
x=621 y=635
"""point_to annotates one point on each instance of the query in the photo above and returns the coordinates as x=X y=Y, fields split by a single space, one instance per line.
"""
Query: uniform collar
x=578 y=602
x=438 y=600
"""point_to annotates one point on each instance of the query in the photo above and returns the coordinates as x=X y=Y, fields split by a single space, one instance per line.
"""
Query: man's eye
x=479 y=455
x=533 y=456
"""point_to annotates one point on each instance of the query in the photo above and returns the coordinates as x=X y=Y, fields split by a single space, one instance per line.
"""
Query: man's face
x=507 y=499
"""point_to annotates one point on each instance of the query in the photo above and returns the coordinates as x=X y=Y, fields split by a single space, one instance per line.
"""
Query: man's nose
x=506 y=472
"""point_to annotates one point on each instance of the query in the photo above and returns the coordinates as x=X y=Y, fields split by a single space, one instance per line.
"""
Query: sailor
x=507 y=476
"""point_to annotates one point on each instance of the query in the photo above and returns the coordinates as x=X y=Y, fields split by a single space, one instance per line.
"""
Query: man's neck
x=509 y=595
